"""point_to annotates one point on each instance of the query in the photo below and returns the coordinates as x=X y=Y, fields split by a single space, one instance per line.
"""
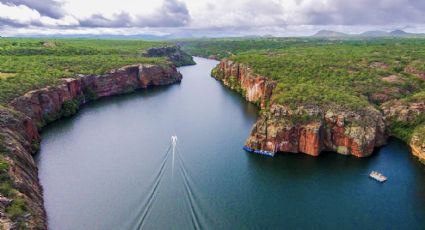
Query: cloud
x=251 y=13
x=171 y=14
x=21 y=16
x=211 y=17
x=122 y=19
x=362 y=12
x=49 y=8
x=238 y=13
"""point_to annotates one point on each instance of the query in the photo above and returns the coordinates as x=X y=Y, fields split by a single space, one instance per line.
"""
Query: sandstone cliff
x=257 y=89
x=20 y=124
x=45 y=105
x=314 y=129
x=306 y=129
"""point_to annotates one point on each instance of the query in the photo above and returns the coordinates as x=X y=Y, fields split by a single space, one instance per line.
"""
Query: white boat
x=377 y=176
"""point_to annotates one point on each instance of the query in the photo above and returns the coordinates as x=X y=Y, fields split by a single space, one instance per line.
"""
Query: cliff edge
x=311 y=129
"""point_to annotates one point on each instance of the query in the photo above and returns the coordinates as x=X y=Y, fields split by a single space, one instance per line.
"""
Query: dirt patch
x=392 y=79
x=415 y=72
x=379 y=65
x=385 y=95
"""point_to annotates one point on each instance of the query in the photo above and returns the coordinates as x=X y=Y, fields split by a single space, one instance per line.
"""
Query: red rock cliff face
x=281 y=129
x=239 y=77
x=45 y=104
x=19 y=122
x=18 y=135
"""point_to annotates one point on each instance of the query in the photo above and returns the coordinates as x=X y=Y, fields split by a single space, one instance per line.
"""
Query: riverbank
x=22 y=118
x=311 y=129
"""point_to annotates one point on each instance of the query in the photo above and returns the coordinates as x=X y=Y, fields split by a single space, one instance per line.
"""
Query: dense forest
x=27 y=64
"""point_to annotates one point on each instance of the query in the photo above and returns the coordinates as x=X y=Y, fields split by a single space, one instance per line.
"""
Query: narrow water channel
x=107 y=168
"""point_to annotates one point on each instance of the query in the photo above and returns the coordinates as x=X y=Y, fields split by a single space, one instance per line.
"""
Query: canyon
x=308 y=129
x=24 y=117
x=311 y=129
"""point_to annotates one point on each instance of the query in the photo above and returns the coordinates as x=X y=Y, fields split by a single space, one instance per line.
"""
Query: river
x=107 y=168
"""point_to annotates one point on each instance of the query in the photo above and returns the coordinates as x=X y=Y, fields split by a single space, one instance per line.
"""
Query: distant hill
x=373 y=33
x=400 y=33
x=329 y=33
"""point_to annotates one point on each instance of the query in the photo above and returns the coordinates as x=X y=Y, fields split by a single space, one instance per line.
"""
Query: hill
x=329 y=33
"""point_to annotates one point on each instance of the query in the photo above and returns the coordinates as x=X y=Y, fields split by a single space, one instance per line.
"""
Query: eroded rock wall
x=255 y=88
x=313 y=130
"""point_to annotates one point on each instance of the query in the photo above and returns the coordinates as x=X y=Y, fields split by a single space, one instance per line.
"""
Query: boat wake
x=190 y=196
x=149 y=200
x=197 y=217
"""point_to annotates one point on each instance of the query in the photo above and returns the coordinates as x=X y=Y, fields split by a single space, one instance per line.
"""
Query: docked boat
x=259 y=151
x=377 y=176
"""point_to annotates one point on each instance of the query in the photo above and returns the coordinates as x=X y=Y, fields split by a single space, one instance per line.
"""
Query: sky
x=211 y=18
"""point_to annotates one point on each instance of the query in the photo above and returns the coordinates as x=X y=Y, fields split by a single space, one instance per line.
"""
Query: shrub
x=17 y=208
x=70 y=107
x=404 y=129
x=89 y=94
x=6 y=189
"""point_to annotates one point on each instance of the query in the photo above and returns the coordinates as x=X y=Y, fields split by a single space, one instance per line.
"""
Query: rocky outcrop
x=411 y=114
x=173 y=53
x=20 y=123
x=255 y=88
x=305 y=129
x=311 y=130
x=401 y=110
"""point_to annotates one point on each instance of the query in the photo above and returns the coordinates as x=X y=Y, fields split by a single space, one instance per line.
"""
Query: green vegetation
x=405 y=129
x=26 y=64
x=5 y=186
x=343 y=73
x=18 y=206
x=351 y=74
x=70 y=107
x=233 y=83
x=420 y=133
x=225 y=47
x=414 y=124
x=185 y=60
x=90 y=94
